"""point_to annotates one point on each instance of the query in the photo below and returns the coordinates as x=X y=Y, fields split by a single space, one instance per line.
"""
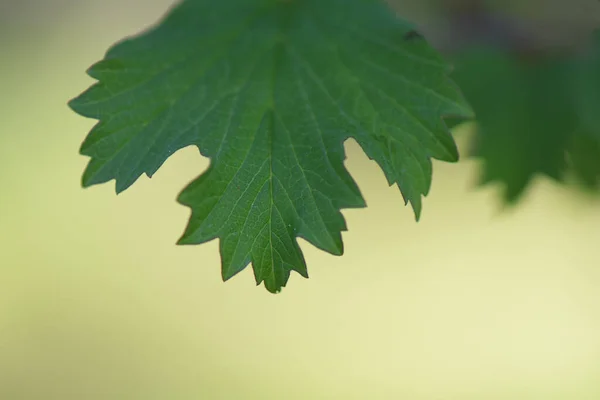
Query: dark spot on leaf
x=412 y=35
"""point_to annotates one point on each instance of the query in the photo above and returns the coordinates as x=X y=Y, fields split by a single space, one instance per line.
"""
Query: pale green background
x=96 y=301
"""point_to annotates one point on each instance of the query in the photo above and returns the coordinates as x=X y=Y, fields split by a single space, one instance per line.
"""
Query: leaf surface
x=269 y=91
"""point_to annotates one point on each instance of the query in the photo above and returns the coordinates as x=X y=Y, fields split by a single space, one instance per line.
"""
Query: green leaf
x=586 y=77
x=523 y=128
x=269 y=91
x=535 y=116
x=584 y=152
x=584 y=157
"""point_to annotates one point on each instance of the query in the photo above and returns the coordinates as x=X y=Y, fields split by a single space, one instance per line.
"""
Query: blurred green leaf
x=535 y=115
x=584 y=157
x=270 y=90
x=587 y=86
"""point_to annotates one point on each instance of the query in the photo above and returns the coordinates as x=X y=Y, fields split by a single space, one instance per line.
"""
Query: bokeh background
x=96 y=301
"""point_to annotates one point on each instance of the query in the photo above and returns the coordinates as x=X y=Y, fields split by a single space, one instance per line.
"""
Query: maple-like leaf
x=269 y=91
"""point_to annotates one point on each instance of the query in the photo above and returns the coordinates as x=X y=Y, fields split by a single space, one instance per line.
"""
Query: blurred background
x=96 y=302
